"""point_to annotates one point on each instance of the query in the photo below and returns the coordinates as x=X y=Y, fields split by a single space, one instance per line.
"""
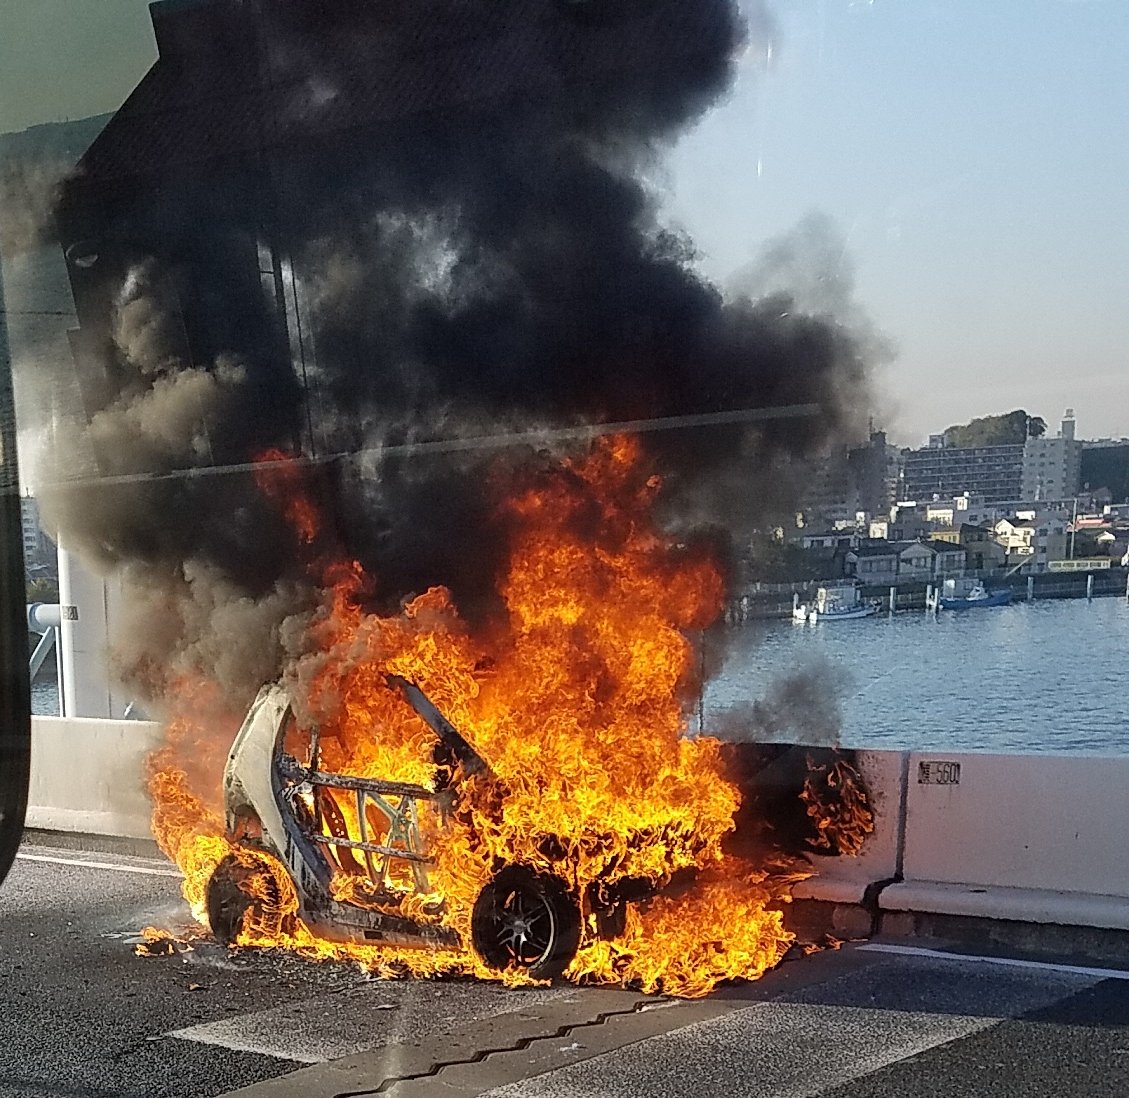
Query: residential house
x=922 y=561
x=1033 y=542
x=829 y=539
x=928 y=560
x=875 y=562
x=915 y=562
x=982 y=552
x=905 y=522
x=1016 y=535
x=949 y=560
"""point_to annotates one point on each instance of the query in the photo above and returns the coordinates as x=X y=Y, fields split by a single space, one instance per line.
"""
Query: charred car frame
x=292 y=811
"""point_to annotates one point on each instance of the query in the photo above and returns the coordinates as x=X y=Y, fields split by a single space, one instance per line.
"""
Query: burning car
x=357 y=853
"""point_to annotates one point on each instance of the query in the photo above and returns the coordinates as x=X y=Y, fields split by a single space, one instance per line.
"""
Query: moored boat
x=977 y=595
x=837 y=603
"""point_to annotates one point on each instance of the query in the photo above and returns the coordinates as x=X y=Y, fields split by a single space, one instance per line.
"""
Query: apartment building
x=993 y=473
x=1052 y=467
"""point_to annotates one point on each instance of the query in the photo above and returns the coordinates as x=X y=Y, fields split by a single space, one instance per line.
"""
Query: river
x=1043 y=676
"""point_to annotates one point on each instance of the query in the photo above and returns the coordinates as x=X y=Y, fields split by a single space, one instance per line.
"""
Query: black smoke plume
x=346 y=228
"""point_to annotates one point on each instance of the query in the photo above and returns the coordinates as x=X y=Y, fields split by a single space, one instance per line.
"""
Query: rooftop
x=882 y=548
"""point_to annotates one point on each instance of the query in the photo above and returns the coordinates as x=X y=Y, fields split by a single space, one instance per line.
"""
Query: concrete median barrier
x=1029 y=838
x=88 y=775
x=842 y=880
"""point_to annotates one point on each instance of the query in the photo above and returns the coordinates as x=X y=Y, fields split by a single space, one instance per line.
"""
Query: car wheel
x=526 y=920
x=243 y=884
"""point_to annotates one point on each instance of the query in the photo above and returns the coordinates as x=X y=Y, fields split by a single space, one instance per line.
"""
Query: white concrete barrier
x=845 y=880
x=1030 y=838
x=88 y=775
x=1035 y=838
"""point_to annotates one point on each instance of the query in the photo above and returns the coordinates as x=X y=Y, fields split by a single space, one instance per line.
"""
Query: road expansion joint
x=479 y=1055
x=521 y=1045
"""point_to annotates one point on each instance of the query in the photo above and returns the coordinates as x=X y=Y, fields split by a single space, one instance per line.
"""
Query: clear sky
x=63 y=59
x=974 y=154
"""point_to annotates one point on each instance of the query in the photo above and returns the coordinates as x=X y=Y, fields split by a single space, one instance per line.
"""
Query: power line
x=459 y=445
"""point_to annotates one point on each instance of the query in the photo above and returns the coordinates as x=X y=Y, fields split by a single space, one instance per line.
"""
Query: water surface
x=45 y=697
x=1048 y=676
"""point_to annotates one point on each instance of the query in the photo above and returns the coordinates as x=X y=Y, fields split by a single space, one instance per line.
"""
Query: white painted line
x=778 y=1049
x=373 y=1015
x=115 y=867
x=221 y=1036
x=310 y=1031
x=1010 y=962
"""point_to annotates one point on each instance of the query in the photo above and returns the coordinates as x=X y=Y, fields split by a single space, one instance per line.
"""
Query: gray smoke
x=28 y=191
x=456 y=240
x=33 y=166
x=808 y=270
x=177 y=622
x=801 y=708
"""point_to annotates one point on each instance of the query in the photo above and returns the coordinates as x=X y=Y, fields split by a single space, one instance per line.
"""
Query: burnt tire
x=234 y=892
x=527 y=921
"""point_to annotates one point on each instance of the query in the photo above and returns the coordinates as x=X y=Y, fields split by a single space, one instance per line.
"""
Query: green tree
x=1012 y=428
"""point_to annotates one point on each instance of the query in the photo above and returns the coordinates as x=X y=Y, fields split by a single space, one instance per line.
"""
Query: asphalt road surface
x=82 y=1016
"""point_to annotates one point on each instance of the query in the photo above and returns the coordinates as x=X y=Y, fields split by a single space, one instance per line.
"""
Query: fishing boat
x=838 y=603
x=977 y=595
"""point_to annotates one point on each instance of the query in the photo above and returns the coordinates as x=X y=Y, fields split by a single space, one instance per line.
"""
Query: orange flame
x=838 y=806
x=281 y=478
x=580 y=703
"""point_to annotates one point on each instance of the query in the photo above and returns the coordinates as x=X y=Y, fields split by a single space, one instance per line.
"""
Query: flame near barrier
x=580 y=701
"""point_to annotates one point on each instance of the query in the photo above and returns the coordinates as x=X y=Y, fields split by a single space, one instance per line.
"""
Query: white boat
x=837 y=603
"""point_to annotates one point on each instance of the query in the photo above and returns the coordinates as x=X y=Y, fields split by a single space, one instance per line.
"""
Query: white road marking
x=773 y=1050
x=827 y=1036
x=357 y=1019
x=222 y=1035
x=114 y=867
x=1010 y=962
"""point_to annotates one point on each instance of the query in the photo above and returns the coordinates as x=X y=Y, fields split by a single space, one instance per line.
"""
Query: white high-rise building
x=32 y=534
x=1052 y=467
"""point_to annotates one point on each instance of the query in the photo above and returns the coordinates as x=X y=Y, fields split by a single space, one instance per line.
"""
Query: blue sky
x=973 y=153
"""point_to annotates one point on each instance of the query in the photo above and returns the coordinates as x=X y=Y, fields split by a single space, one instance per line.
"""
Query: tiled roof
x=889 y=549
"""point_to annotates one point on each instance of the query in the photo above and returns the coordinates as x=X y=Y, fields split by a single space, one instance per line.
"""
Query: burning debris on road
x=349 y=275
